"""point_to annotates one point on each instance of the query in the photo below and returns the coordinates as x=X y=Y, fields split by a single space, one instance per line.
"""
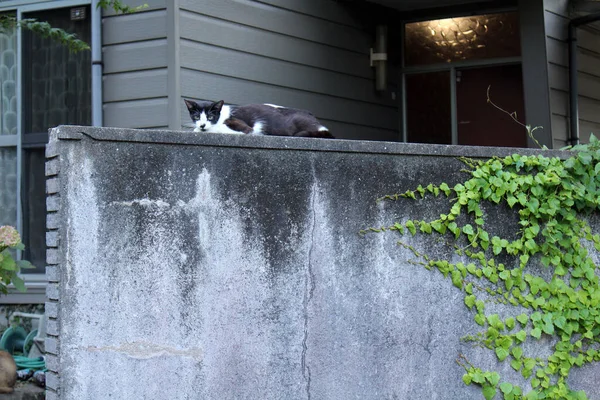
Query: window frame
x=35 y=282
x=451 y=67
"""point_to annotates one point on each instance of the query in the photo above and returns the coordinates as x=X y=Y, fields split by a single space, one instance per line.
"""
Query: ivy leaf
x=454 y=229
x=493 y=378
x=533 y=395
x=439 y=227
x=506 y=387
x=529 y=363
x=584 y=158
x=467 y=379
x=510 y=323
x=457 y=279
x=468 y=229
x=424 y=227
x=470 y=301
x=548 y=329
x=489 y=392
x=516 y=364
x=478 y=377
x=517 y=352
x=522 y=318
x=410 y=225
x=445 y=188
x=501 y=353
x=521 y=336
x=480 y=319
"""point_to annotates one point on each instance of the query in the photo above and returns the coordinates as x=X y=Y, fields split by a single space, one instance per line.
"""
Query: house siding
x=135 y=67
x=557 y=17
x=310 y=54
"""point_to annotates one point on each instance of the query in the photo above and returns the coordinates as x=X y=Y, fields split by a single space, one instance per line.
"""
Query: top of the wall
x=189 y=138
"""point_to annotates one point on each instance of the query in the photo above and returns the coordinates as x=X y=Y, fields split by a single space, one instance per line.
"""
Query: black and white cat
x=255 y=119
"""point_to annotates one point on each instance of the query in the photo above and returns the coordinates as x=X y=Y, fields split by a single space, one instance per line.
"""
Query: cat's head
x=205 y=114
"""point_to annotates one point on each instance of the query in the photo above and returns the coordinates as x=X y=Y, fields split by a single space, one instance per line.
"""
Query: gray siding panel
x=558 y=54
x=134 y=27
x=274 y=19
x=328 y=10
x=295 y=53
x=136 y=114
x=135 y=85
x=556 y=22
x=151 y=5
x=227 y=62
x=202 y=28
x=135 y=56
x=560 y=130
x=589 y=109
x=589 y=85
x=135 y=67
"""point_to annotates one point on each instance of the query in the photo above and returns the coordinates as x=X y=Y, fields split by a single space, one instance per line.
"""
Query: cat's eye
x=211 y=117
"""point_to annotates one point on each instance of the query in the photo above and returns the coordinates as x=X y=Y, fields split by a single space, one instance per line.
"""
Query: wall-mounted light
x=379 y=57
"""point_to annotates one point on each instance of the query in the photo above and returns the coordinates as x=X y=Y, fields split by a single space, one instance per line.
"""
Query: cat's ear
x=218 y=105
x=191 y=105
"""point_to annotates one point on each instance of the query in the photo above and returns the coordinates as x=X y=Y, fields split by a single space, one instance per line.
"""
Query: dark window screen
x=56 y=82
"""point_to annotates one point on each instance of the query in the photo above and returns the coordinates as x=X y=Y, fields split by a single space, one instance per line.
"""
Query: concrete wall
x=188 y=266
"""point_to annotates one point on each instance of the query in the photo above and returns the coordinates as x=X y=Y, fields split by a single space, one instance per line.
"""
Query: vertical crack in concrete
x=309 y=287
x=426 y=347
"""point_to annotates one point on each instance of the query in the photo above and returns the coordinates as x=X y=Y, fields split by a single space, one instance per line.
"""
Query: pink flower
x=9 y=236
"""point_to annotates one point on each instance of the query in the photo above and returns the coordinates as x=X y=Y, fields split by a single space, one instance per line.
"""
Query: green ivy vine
x=553 y=198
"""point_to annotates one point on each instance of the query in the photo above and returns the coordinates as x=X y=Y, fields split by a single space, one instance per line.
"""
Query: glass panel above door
x=462 y=38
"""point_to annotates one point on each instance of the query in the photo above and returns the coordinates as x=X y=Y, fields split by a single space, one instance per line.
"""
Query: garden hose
x=30 y=363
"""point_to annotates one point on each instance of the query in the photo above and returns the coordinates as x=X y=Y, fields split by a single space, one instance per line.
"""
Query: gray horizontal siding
x=556 y=22
x=135 y=85
x=136 y=114
x=135 y=67
x=227 y=62
x=589 y=85
x=227 y=34
x=135 y=56
x=586 y=129
x=149 y=6
x=327 y=10
x=134 y=27
x=274 y=19
x=296 y=53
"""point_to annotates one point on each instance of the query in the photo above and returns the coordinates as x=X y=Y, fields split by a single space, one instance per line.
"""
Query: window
x=43 y=85
x=447 y=68
x=8 y=128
